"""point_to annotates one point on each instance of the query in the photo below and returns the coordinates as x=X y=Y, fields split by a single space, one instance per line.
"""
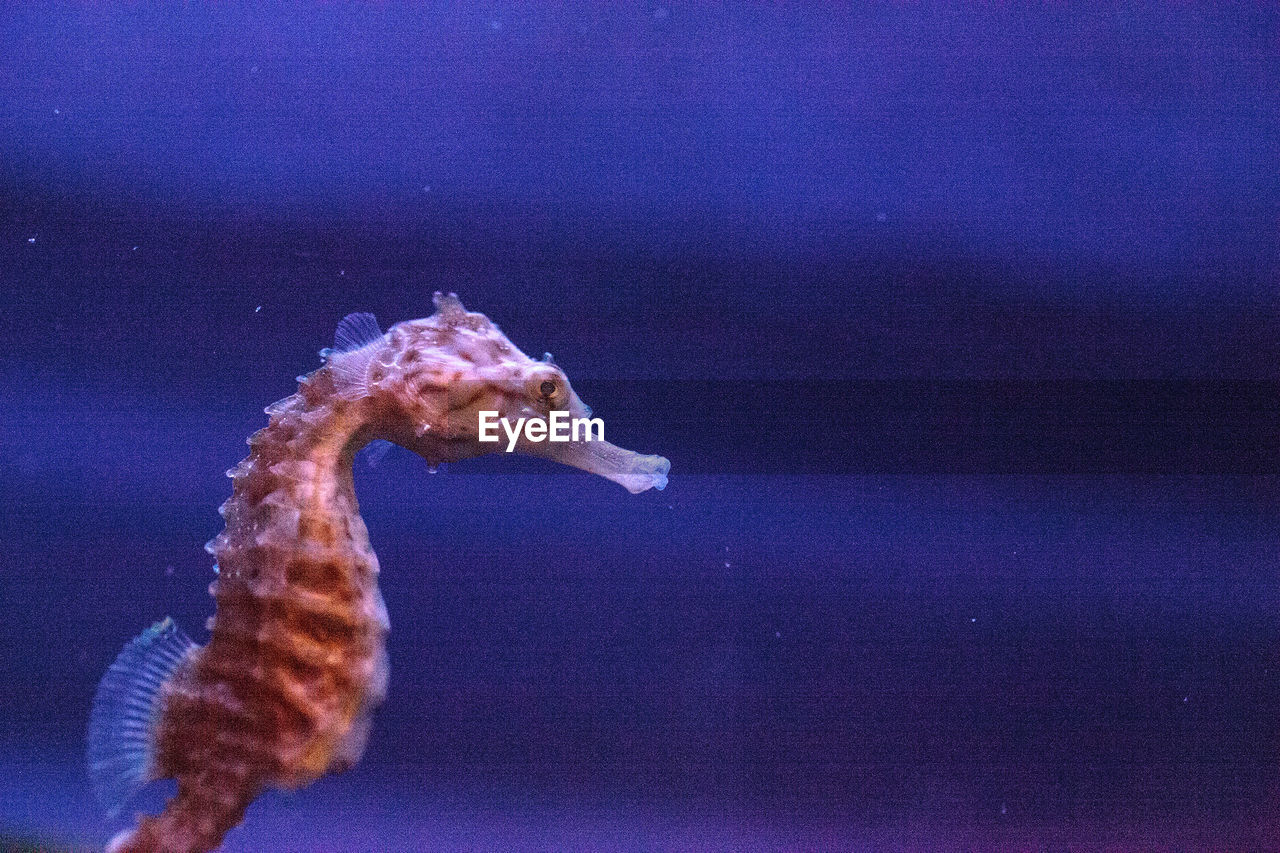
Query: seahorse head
x=432 y=385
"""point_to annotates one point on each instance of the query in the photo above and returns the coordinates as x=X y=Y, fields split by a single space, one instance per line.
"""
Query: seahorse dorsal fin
x=355 y=331
x=126 y=713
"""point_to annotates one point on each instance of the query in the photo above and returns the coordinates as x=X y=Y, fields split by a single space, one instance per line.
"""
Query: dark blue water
x=960 y=328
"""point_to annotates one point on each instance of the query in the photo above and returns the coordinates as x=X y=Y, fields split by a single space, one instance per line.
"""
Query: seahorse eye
x=547 y=388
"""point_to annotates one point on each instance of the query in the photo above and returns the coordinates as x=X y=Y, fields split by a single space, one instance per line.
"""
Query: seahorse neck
x=299 y=632
x=295 y=490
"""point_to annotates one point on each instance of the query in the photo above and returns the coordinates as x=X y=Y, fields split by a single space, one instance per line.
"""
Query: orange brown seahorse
x=296 y=660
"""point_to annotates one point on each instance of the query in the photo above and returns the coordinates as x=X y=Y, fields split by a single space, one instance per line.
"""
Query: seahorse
x=296 y=661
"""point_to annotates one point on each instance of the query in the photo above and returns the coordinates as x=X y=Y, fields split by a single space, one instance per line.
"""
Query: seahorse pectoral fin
x=633 y=471
x=355 y=331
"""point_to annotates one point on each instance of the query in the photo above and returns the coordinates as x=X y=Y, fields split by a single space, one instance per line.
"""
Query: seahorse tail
x=206 y=806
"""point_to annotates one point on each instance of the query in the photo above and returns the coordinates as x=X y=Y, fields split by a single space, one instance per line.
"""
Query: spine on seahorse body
x=296 y=661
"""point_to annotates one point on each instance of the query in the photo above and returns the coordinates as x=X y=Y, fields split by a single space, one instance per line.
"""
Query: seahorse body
x=283 y=692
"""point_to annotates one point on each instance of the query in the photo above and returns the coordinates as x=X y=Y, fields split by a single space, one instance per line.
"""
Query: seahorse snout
x=633 y=471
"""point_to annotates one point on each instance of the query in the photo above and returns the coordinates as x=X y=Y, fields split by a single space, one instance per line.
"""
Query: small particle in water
x=427 y=188
x=32 y=238
x=671 y=506
x=256 y=310
x=1004 y=809
x=727 y=564
x=134 y=249
x=57 y=111
x=168 y=571
x=342 y=272
x=1184 y=699
x=433 y=469
x=777 y=635
x=973 y=618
